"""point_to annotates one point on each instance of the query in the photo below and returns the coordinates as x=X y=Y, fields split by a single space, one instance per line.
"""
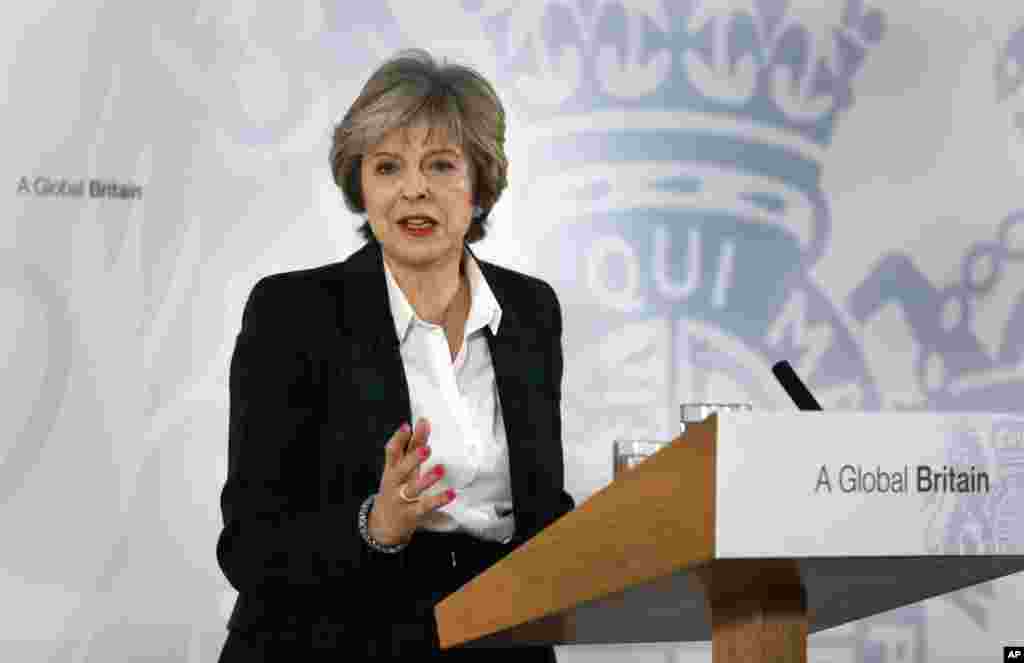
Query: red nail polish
x=450 y=494
x=439 y=471
x=423 y=452
x=405 y=427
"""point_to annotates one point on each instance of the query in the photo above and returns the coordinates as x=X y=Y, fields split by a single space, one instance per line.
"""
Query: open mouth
x=417 y=226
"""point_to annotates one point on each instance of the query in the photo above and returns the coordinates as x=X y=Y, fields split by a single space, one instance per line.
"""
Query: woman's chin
x=416 y=253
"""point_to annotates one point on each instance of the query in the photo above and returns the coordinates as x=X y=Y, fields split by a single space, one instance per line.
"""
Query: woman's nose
x=414 y=184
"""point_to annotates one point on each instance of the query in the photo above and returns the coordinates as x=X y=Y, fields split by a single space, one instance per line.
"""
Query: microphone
x=794 y=386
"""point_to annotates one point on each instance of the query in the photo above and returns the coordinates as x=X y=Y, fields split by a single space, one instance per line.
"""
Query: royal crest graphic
x=678 y=153
x=678 y=150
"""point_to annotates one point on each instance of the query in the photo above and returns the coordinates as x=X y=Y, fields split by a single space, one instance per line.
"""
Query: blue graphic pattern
x=727 y=235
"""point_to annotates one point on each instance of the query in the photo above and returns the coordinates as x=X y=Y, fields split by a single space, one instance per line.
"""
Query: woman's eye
x=443 y=166
x=386 y=168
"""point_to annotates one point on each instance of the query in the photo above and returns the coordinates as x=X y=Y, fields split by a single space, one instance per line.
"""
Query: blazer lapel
x=507 y=357
x=370 y=349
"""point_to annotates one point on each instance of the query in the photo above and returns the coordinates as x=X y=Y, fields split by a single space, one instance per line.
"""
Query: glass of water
x=627 y=454
x=691 y=413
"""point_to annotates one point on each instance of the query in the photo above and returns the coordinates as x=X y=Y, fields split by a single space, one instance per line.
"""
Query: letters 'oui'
x=630 y=297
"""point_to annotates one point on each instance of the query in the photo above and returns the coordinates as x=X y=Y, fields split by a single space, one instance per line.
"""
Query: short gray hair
x=412 y=87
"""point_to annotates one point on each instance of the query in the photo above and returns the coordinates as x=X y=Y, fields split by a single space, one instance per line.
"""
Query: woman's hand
x=393 y=520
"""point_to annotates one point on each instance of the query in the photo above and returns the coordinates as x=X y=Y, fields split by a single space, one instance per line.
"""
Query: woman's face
x=408 y=179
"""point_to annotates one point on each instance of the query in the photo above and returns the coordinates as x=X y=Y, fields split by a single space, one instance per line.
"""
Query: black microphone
x=794 y=386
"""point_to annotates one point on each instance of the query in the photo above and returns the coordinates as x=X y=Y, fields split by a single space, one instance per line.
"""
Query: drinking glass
x=627 y=454
x=691 y=413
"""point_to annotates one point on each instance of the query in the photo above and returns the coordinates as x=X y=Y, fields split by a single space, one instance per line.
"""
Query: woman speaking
x=395 y=424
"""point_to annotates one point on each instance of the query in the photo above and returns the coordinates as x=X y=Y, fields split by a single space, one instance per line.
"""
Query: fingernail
x=423 y=452
x=405 y=427
x=439 y=471
x=449 y=494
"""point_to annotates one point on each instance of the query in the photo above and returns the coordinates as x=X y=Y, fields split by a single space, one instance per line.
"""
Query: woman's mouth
x=417 y=227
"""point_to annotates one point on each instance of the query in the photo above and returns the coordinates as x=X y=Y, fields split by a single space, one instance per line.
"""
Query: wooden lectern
x=642 y=561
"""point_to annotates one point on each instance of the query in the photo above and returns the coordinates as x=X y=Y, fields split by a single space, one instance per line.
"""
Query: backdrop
x=710 y=187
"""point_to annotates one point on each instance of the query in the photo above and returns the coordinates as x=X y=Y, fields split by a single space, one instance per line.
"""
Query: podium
x=754 y=529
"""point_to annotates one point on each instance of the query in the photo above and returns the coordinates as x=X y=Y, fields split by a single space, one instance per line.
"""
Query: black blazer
x=317 y=389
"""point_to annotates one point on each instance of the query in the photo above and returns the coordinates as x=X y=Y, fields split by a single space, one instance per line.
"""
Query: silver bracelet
x=364 y=529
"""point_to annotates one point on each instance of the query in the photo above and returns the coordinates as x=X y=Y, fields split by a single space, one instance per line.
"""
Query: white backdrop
x=710 y=186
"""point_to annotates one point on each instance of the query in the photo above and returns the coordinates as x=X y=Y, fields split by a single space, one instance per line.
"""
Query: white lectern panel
x=822 y=484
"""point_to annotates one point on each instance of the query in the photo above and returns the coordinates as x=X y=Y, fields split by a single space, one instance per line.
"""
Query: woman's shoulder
x=289 y=297
x=515 y=284
x=298 y=279
x=287 y=284
x=533 y=300
x=316 y=280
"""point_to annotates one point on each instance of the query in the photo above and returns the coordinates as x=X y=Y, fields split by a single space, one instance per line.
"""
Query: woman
x=344 y=525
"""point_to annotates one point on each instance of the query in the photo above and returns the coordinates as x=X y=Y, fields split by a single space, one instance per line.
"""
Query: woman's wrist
x=379 y=534
x=364 y=530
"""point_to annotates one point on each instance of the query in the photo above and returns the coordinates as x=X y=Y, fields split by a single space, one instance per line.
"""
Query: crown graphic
x=757 y=62
x=734 y=103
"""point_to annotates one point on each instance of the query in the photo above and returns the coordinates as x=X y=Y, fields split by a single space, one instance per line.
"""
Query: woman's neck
x=433 y=293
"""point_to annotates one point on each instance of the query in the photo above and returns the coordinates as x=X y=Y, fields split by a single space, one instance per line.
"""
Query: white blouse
x=460 y=398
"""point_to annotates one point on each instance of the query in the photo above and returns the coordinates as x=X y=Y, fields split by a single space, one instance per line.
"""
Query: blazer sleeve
x=278 y=532
x=555 y=367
